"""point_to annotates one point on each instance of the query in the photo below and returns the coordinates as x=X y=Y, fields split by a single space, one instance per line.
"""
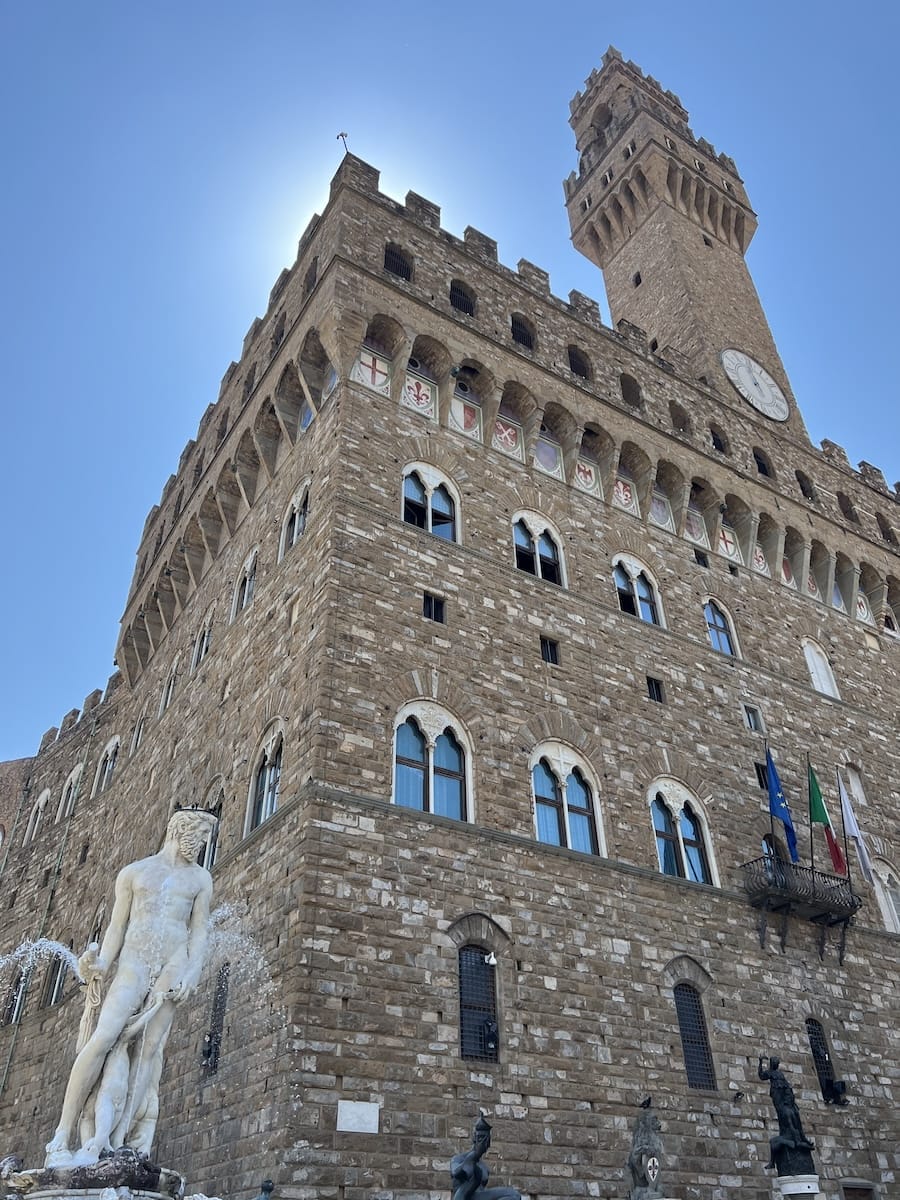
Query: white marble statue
x=154 y=949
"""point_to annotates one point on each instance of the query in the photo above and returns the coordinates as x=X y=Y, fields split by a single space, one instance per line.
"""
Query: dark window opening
x=636 y=279
x=309 y=279
x=654 y=346
x=706 y=241
x=578 y=363
x=415 y=502
x=701 y=558
x=694 y=1039
x=396 y=262
x=433 y=607
x=655 y=690
x=462 y=298
x=479 y=1035
x=806 y=486
x=522 y=332
x=631 y=391
x=753 y=718
x=763 y=466
x=762 y=776
x=550 y=651
x=718 y=440
x=845 y=504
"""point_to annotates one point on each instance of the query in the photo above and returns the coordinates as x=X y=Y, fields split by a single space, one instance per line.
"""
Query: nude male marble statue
x=154 y=949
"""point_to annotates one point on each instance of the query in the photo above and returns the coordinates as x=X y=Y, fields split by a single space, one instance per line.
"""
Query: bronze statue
x=469 y=1174
x=791 y=1150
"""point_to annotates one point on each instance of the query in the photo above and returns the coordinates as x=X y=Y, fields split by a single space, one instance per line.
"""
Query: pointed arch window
x=428 y=504
x=537 y=551
x=14 y=1001
x=36 y=817
x=636 y=591
x=57 y=978
x=718 y=627
x=887 y=891
x=478 y=1026
x=266 y=783
x=246 y=586
x=69 y=795
x=202 y=643
x=564 y=808
x=430 y=776
x=106 y=767
x=695 y=1046
x=681 y=846
x=168 y=691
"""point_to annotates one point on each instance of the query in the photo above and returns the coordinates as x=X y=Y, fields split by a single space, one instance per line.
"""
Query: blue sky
x=162 y=160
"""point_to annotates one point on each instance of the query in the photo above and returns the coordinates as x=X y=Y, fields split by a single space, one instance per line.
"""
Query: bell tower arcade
x=668 y=222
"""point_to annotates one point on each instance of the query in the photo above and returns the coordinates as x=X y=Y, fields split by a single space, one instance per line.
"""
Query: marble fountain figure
x=146 y=968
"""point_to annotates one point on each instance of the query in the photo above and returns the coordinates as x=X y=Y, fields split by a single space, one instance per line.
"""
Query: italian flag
x=818 y=815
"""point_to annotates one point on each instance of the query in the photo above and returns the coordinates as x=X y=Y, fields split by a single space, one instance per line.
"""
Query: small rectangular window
x=753 y=719
x=701 y=558
x=762 y=776
x=655 y=690
x=733 y=569
x=550 y=651
x=433 y=607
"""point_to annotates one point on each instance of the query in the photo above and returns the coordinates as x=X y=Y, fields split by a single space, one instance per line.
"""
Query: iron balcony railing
x=786 y=887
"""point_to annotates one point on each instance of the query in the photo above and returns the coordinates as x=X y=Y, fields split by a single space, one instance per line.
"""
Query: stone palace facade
x=472 y=618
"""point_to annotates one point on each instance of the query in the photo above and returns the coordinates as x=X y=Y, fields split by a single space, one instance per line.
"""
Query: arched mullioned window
x=56 y=980
x=698 y=1061
x=565 y=800
x=266 y=780
x=202 y=643
x=106 y=767
x=720 y=629
x=432 y=762
x=478 y=1026
x=245 y=586
x=430 y=501
x=294 y=524
x=36 y=818
x=636 y=590
x=887 y=890
x=168 y=692
x=682 y=843
x=820 y=672
x=536 y=547
x=69 y=794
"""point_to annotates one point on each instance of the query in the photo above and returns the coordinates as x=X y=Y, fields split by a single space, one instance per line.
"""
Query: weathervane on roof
x=343 y=137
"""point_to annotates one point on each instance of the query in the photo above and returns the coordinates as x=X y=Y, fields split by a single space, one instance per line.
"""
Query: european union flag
x=778 y=806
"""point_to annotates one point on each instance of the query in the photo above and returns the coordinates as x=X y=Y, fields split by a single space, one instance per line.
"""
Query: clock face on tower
x=755 y=384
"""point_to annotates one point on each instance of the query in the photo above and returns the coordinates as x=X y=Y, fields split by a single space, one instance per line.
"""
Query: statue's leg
x=124 y=996
x=146 y=1068
x=111 y=1095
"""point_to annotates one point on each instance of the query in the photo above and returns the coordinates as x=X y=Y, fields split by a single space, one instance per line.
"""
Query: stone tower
x=668 y=221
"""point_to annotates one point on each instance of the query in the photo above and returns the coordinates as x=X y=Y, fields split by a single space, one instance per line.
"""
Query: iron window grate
x=694 y=1039
x=478 y=1036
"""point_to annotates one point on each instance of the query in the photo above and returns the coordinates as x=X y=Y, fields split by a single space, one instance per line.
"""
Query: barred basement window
x=212 y=1040
x=462 y=298
x=694 y=1040
x=522 y=331
x=478 y=1029
x=397 y=262
x=832 y=1089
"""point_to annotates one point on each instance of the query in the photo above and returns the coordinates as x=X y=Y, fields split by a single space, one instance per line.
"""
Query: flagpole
x=771 y=814
x=844 y=827
x=812 y=844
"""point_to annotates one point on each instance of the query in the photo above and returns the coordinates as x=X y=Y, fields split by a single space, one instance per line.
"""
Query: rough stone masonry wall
x=586 y=1018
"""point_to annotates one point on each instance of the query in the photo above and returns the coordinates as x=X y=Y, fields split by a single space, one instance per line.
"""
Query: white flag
x=854 y=832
